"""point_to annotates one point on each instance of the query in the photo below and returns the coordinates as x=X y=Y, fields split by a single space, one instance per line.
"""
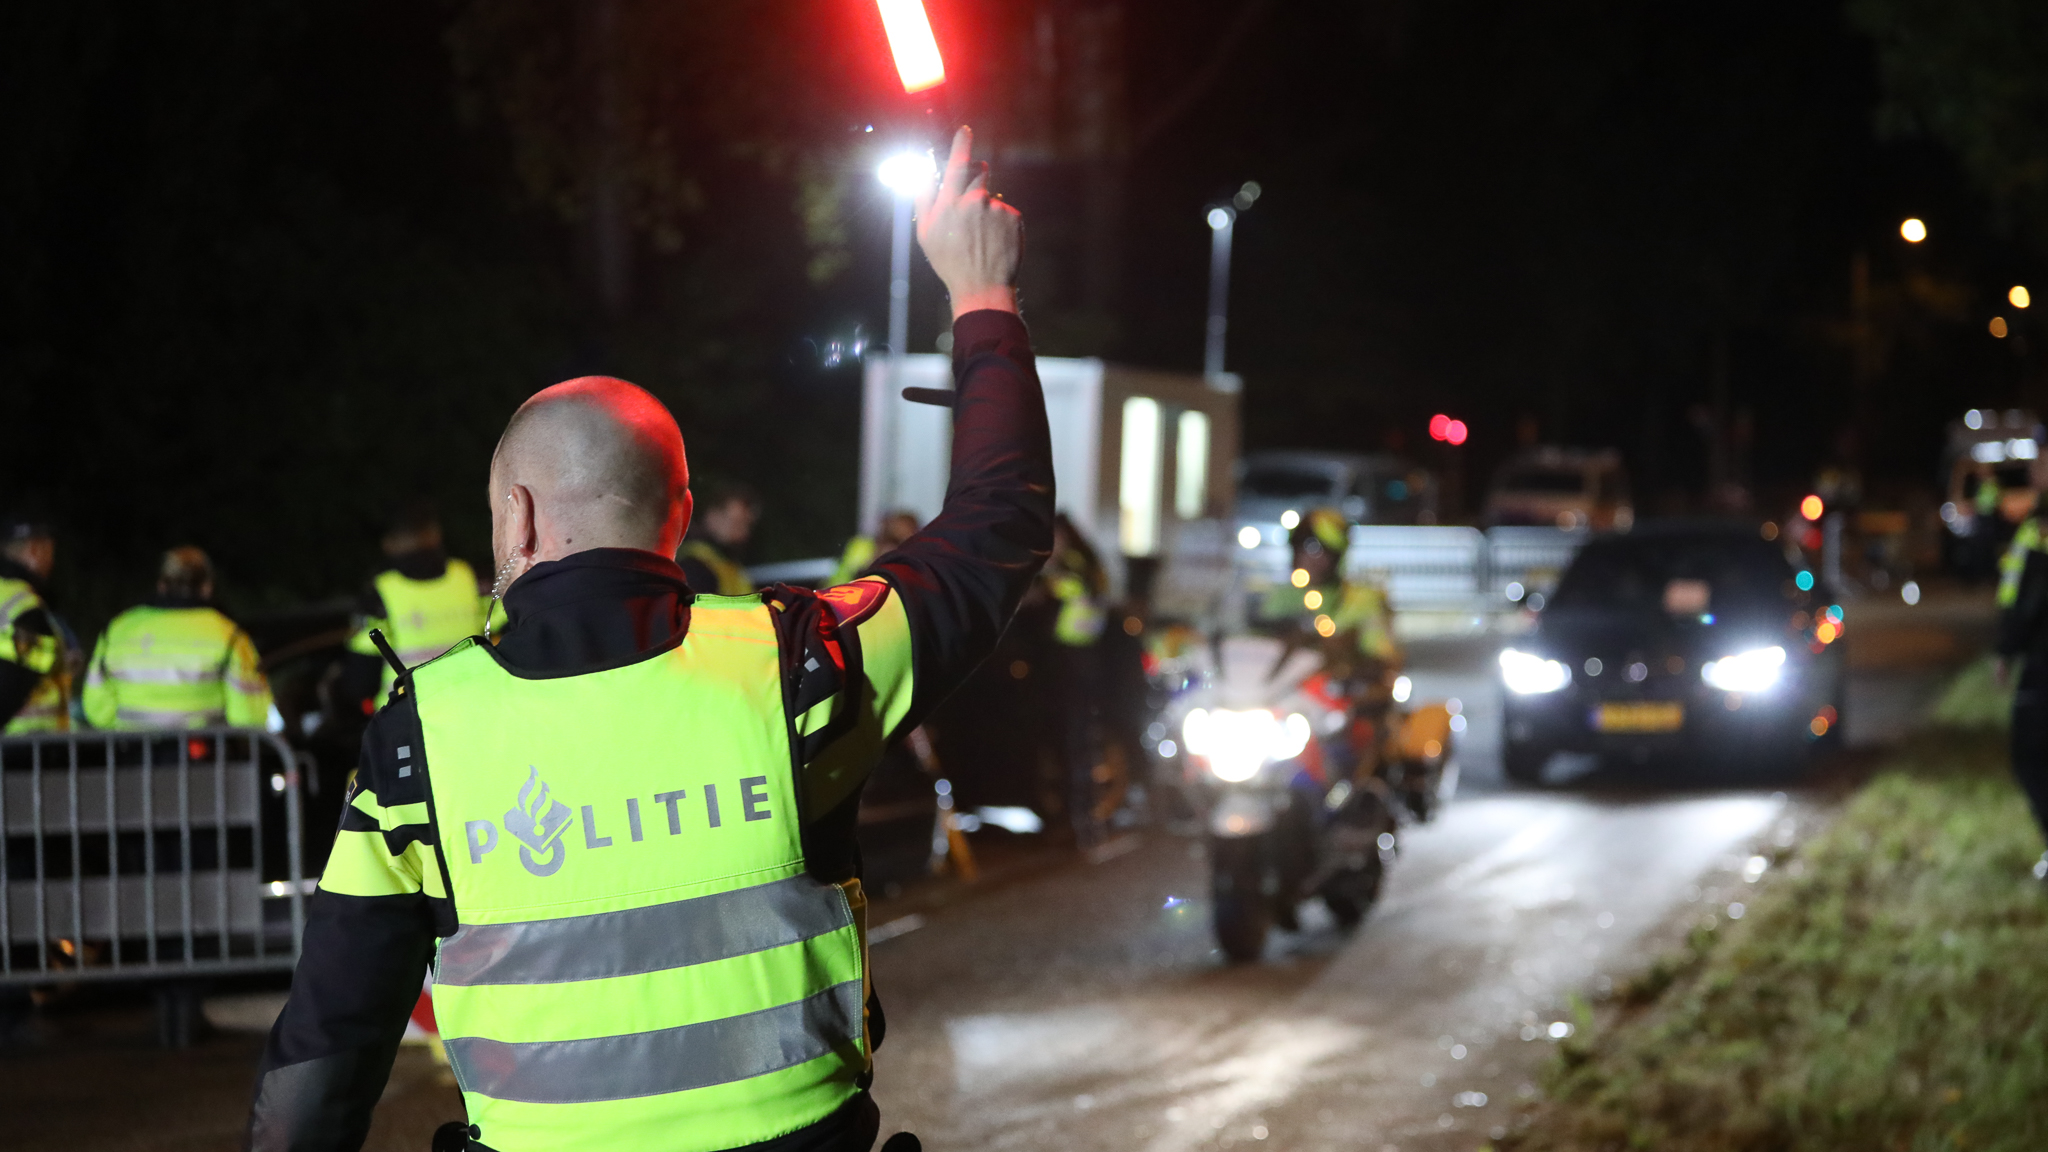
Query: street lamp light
x=1913 y=229
x=905 y=175
x=1222 y=223
x=1222 y=220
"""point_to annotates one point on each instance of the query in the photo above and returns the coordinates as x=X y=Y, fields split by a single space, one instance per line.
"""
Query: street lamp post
x=899 y=285
x=1222 y=223
x=905 y=174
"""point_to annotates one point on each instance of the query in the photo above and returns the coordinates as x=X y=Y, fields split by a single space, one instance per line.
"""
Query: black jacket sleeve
x=367 y=947
x=962 y=576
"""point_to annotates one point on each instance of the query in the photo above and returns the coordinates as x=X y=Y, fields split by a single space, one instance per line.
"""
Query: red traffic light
x=911 y=42
x=1442 y=427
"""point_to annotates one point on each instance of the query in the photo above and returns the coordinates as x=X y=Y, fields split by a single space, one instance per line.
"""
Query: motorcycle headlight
x=1235 y=745
x=1527 y=674
x=1752 y=671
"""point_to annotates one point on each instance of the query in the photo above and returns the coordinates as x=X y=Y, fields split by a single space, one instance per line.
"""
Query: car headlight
x=1752 y=671
x=1235 y=745
x=1527 y=674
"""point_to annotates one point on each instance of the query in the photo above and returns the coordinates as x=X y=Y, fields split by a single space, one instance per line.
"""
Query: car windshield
x=1682 y=575
x=1281 y=482
x=1546 y=481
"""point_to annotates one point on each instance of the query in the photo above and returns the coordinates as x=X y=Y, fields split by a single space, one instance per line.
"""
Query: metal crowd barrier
x=1423 y=566
x=1432 y=568
x=1531 y=557
x=149 y=856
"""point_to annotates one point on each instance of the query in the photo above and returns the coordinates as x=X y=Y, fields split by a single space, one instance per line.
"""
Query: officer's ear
x=686 y=507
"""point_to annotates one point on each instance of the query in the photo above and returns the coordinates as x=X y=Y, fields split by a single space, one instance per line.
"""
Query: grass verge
x=1888 y=989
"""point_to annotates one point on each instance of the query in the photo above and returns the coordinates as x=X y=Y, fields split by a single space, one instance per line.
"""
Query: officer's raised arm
x=961 y=577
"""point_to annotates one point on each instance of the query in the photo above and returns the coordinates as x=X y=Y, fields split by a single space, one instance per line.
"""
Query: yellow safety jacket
x=1081 y=615
x=175 y=668
x=2014 y=563
x=642 y=960
x=1353 y=605
x=732 y=577
x=48 y=707
x=422 y=618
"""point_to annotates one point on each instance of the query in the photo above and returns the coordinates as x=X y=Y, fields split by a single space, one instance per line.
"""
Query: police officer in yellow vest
x=710 y=557
x=2023 y=638
x=424 y=603
x=623 y=837
x=177 y=661
x=37 y=653
x=1351 y=616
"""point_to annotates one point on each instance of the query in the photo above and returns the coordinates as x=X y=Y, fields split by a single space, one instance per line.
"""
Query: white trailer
x=1145 y=464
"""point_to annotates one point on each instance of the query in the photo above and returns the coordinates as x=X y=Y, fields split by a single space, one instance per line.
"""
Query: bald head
x=589 y=463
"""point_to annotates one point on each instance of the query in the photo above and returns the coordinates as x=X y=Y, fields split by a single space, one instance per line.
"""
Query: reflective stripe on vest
x=167 y=675
x=638 y=1064
x=145 y=718
x=642 y=960
x=2013 y=564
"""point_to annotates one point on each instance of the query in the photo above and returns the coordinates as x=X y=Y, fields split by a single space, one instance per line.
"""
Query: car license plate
x=1646 y=716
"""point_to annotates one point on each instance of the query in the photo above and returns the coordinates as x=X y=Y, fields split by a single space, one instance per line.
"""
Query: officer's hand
x=972 y=239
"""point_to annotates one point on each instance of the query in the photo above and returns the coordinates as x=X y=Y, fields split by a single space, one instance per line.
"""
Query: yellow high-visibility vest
x=175 y=668
x=48 y=707
x=422 y=618
x=642 y=959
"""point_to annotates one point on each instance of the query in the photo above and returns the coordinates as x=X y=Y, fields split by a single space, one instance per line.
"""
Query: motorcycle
x=1306 y=781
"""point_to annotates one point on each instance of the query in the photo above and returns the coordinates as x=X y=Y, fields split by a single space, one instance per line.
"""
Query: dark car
x=1678 y=640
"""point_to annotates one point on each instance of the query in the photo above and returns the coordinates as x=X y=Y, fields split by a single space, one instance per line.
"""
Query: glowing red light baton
x=911 y=42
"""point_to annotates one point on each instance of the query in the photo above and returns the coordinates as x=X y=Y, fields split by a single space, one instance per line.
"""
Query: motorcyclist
x=1347 y=620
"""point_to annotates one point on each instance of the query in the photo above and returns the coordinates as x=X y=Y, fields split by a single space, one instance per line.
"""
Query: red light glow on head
x=1439 y=426
x=911 y=42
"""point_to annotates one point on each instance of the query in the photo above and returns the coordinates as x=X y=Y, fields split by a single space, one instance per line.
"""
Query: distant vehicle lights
x=2019 y=296
x=1812 y=507
x=1527 y=674
x=1752 y=671
x=1452 y=432
x=1913 y=229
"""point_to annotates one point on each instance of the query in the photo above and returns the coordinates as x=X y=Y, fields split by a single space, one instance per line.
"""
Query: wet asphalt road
x=1084 y=1006
x=1087 y=1008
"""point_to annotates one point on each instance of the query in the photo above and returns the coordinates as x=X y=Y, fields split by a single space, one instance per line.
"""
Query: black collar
x=595 y=609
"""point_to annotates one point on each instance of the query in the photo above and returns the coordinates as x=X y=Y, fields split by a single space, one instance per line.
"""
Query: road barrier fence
x=1441 y=568
x=149 y=856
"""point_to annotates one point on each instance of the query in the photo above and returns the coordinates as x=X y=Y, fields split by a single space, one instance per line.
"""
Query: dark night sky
x=270 y=268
